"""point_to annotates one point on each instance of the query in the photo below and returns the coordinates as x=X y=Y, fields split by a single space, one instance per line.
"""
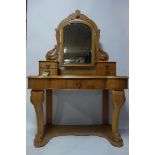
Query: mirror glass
x=77 y=44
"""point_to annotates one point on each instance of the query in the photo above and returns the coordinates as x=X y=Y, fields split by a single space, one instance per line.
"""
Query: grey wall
x=111 y=16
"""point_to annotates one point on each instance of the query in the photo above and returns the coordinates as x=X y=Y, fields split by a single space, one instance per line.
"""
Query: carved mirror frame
x=57 y=54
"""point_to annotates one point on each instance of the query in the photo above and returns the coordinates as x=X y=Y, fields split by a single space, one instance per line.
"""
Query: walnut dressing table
x=77 y=62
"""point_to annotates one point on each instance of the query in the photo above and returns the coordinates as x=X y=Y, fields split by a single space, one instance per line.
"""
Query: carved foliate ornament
x=52 y=55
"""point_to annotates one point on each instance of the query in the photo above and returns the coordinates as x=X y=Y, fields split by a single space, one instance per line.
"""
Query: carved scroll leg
x=118 y=98
x=37 y=98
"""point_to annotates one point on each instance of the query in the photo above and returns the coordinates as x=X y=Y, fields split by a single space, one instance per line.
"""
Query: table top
x=78 y=77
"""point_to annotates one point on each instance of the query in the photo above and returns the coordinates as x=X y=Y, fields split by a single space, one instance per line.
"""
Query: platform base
x=76 y=130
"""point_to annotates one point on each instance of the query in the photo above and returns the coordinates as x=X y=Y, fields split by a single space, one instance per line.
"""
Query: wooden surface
x=77 y=17
x=106 y=68
x=100 y=74
x=43 y=136
x=37 y=98
x=77 y=77
x=76 y=130
x=117 y=84
x=49 y=106
x=47 y=66
x=118 y=99
x=77 y=82
x=105 y=106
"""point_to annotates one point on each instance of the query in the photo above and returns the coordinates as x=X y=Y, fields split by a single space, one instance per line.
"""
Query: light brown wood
x=48 y=66
x=76 y=17
x=58 y=83
x=105 y=99
x=75 y=82
x=77 y=77
x=106 y=68
x=78 y=72
x=37 y=98
x=51 y=71
x=80 y=84
x=100 y=74
x=52 y=55
x=97 y=53
x=101 y=68
x=70 y=82
x=118 y=99
x=77 y=130
x=49 y=106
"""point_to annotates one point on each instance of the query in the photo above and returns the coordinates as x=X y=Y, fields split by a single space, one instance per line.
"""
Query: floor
x=77 y=145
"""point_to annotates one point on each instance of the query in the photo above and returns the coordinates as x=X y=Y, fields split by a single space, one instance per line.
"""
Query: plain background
x=13 y=84
x=111 y=17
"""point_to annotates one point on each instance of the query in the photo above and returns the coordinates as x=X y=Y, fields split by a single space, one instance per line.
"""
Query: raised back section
x=77 y=51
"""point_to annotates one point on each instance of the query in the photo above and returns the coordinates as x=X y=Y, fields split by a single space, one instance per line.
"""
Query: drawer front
x=80 y=84
x=106 y=69
x=59 y=84
x=47 y=64
x=42 y=83
x=51 y=71
x=100 y=84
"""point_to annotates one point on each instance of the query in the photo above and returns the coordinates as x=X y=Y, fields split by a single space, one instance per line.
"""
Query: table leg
x=118 y=98
x=105 y=112
x=37 y=98
x=48 y=106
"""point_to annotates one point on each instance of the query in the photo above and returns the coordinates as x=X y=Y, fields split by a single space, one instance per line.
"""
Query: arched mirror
x=77 y=42
x=77 y=47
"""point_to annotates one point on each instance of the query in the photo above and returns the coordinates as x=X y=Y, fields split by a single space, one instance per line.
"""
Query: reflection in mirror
x=77 y=44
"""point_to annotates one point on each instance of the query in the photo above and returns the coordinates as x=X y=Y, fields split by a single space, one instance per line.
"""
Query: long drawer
x=96 y=84
x=105 y=83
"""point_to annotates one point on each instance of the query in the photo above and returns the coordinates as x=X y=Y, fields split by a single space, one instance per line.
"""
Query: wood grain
x=77 y=77
x=77 y=130
x=105 y=112
x=49 y=106
x=100 y=74
x=74 y=82
x=118 y=99
x=106 y=68
x=37 y=98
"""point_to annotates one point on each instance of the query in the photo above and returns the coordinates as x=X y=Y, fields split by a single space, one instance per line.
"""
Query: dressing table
x=77 y=62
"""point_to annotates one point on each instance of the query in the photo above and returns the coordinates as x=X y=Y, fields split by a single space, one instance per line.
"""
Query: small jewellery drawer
x=106 y=68
x=47 y=66
x=51 y=71
x=80 y=84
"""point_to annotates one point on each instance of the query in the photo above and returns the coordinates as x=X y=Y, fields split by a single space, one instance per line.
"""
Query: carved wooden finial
x=52 y=55
x=77 y=13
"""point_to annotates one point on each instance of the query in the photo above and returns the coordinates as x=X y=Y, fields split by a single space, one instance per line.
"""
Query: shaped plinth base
x=76 y=130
